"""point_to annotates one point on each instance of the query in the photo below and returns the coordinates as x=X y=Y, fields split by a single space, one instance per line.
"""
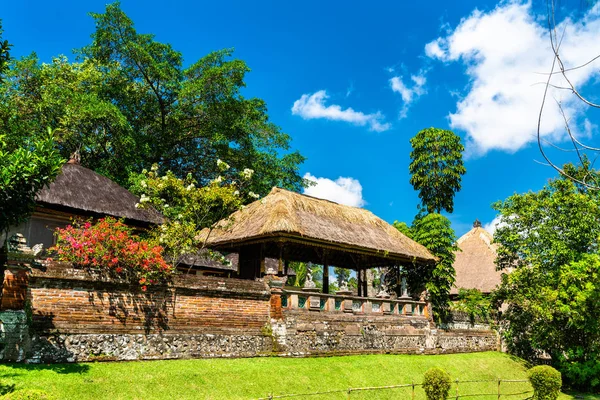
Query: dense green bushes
x=546 y=382
x=436 y=384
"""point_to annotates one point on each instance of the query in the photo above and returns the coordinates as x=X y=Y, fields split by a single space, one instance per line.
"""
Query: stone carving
x=404 y=287
x=383 y=289
x=343 y=286
x=309 y=283
x=20 y=252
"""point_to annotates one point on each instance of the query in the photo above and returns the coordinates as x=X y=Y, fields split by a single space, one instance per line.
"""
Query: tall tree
x=341 y=275
x=129 y=103
x=436 y=168
x=435 y=233
x=4 y=54
x=550 y=241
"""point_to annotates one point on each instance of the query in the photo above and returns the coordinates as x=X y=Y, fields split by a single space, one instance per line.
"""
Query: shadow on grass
x=58 y=368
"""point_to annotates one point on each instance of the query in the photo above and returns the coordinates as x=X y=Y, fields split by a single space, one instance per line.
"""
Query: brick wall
x=67 y=300
x=78 y=316
x=14 y=291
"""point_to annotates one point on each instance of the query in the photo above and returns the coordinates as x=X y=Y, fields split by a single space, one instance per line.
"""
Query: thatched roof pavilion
x=78 y=190
x=474 y=263
x=291 y=226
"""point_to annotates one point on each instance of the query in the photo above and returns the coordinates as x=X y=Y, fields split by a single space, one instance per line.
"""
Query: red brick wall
x=70 y=301
x=14 y=291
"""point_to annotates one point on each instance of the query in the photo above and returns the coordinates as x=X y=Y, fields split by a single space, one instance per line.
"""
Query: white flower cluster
x=223 y=166
x=247 y=173
x=252 y=194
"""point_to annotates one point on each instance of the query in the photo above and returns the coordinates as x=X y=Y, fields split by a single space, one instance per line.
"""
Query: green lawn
x=257 y=377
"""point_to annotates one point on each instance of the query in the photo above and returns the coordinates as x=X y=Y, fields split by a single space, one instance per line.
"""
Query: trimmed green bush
x=546 y=382
x=28 y=394
x=436 y=383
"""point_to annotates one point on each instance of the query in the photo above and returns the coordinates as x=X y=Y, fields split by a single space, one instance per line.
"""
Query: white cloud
x=410 y=92
x=504 y=52
x=312 y=106
x=493 y=225
x=346 y=191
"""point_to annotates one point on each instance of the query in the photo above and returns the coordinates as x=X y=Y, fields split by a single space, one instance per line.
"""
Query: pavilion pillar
x=326 y=278
x=359 y=282
x=365 y=283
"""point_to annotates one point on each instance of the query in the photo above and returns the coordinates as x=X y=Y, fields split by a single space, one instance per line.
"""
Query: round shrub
x=28 y=394
x=436 y=384
x=546 y=382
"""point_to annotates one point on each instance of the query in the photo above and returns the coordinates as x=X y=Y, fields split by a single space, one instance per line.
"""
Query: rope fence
x=455 y=396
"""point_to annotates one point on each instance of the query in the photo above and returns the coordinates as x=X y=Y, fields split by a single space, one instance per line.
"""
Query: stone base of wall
x=128 y=347
x=15 y=343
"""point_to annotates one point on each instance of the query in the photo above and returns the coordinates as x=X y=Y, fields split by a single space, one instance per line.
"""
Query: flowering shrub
x=189 y=207
x=109 y=245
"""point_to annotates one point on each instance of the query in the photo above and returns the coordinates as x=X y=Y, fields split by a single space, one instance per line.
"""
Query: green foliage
x=435 y=233
x=546 y=382
x=4 y=54
x=474 y=303
x=341 y=274
x=550 y=240
x=23 y=172
x=128 y=103
x=436 y=168
x=403 y=228
x=301 y=269
x=436 y=383
x=28 y=394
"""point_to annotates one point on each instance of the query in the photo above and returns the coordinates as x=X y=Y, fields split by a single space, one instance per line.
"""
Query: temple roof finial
x=75 y=158
x=477 y=223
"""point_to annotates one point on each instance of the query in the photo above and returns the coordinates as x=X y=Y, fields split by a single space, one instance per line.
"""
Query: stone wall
x=62 y=314
x=304 y=332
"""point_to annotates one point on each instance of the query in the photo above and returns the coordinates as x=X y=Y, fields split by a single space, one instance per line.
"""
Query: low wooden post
x=499 y=388
x=457 y=389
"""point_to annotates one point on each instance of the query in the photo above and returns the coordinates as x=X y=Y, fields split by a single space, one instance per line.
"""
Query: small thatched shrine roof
x=299 y=222
x=80 y=190
x=474 y=263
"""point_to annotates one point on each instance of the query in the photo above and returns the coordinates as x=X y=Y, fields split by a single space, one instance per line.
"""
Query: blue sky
x=353 y=81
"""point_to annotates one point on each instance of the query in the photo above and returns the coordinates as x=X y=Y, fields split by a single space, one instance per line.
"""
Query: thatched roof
x=288 y=216
x=474 y=264
x=82 y=191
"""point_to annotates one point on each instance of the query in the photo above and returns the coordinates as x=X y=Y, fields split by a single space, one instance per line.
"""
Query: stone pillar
x=276 y=287
x=314 y=300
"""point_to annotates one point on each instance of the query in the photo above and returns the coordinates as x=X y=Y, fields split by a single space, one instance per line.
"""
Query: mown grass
x=258 y=377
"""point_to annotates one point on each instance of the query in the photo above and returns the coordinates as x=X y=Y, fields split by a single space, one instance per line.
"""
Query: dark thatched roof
x=78 y=189
x=317 y=222
x=474 y=265
x=203 y=260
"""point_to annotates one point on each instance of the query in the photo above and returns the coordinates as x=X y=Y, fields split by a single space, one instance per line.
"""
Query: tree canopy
x=550 y=241
x=128 y=103
x=436 y=168
x=23 y=172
